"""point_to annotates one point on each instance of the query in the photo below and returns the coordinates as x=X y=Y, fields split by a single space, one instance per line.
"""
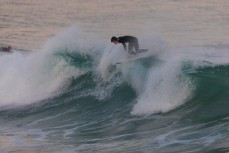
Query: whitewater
x=61 y=90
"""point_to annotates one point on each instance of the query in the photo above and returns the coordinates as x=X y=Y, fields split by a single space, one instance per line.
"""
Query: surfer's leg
x=136 y=45
x=133 y=44
x=130 y=47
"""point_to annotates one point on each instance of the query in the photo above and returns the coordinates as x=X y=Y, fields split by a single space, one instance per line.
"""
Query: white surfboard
x=137 y=57
x=130 y=60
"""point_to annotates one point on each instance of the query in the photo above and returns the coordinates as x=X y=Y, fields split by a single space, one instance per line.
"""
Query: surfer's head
x=114 y=40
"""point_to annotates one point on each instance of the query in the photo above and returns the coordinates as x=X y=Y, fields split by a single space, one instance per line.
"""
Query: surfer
x=132 y=43
x=5 y=49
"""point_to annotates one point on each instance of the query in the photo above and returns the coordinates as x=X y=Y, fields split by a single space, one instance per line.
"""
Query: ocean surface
x=61 y=90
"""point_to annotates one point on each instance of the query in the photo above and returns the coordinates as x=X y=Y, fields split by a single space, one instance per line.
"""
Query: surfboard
x=142 y=50
x=129 y=60
x=134 y=58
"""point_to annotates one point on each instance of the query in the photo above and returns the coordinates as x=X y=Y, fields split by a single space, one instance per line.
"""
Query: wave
x=70 y=65
x=37 y=76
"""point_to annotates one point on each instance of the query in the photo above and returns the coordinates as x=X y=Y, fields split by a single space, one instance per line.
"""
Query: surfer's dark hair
x=114 y=39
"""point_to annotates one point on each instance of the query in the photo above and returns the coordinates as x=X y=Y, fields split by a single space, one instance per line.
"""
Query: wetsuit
x=132 y=43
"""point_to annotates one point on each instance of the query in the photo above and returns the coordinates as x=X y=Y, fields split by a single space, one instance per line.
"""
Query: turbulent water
x=68 y=95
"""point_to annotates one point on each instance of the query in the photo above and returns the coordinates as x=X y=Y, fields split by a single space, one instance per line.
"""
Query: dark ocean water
x=69 y=95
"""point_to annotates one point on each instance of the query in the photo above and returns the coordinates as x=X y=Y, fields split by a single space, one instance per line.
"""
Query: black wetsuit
x=132 y=43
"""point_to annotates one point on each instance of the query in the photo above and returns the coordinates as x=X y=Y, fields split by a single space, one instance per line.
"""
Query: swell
x=210 y=92
x=209 y=101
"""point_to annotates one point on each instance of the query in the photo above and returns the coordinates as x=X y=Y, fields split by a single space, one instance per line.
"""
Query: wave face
x=70 y=96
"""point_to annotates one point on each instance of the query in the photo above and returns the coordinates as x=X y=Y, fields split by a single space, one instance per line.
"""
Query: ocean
x=61 y=90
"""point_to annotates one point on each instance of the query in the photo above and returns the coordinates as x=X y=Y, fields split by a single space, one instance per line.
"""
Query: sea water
x=61 y=91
